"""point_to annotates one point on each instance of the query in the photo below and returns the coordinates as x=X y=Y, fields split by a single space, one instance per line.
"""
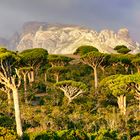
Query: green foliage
x=124 y=59
x=93 y=54
x=9 y=58
x=6 y=121
x=114 y=58
x=25 y=69
x=39 y=87
x=40 y=136
x=32 y=57
x=118 y=84
x=85 y=49
x=63 y=135
x=122 y=49
x=105 y=61
x=72 y=134
x=78 y=73
x=115 y=84
x=95 y=59
x=120 y=58
x=7 y=55
x=57 y=69
x=3 y=49
x=58 y=60
x=71 y=89
x=136 y=61
x=106 y=135
x=136 y=138
x=104 y=87
x=67 y=83
x=7 y=134
x=3 y=96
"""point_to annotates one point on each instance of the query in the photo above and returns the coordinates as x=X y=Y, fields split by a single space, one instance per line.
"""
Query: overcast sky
x=96 y=14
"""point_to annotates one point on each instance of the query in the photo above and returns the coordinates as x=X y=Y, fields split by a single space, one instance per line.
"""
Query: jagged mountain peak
x=65 y=39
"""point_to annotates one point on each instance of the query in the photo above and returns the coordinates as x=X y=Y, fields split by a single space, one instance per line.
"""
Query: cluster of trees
x=92 y=82
x=13 y=67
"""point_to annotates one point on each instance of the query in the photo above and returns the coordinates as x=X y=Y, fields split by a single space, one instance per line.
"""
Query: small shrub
x=7 y=134
x=6 y=121
x=44 y=135
x=122 y=49
x=39 y=87
x=136 y=138
x=72 y=135
x=103 y=134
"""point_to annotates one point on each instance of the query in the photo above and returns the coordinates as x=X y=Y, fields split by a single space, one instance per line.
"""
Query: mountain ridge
x=65 y=39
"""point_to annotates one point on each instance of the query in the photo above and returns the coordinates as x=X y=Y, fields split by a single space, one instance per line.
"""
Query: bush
x=6 y=121
x=106 y=135
x=44 y=135
x=72 y=135
x=136 y=138
x=39 y=87
x=59 y=135
x=7 y=134
x=122 y=49
x=3 y=96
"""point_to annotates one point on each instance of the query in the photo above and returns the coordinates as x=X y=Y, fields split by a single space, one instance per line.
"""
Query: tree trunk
x=139 y=109
x=57 y=78
x=103 y=69
x=17 y=113
x=25 y=87
x=126 y=68
x=138 y=69
x=31 y=77
x=95 y=78
x=122 y=104
x=9 y=97
x=45 y=77
x=69 y=101
x=131 y=72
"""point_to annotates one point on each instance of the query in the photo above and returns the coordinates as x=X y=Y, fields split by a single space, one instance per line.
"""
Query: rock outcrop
x=65 y=39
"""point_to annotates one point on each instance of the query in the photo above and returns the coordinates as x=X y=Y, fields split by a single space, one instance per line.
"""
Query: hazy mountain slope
x=4 y=42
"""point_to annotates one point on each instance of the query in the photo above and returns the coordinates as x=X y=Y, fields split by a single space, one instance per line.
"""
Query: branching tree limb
x=71 y=89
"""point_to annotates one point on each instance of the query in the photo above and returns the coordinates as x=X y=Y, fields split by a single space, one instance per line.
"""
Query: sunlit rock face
x=65 y=39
